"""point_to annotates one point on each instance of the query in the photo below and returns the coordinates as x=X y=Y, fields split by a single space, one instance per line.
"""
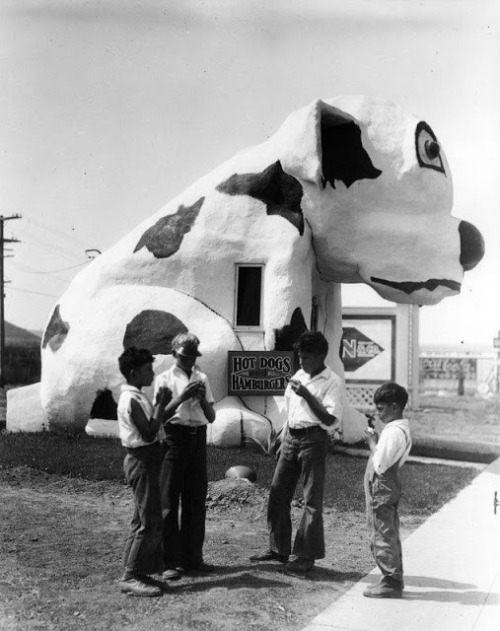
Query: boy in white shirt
x=313 y=400
x=383 y=488
x=138 y=424
x=183 y=479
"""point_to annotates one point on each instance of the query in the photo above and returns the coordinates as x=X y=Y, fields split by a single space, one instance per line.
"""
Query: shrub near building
x=22 y=363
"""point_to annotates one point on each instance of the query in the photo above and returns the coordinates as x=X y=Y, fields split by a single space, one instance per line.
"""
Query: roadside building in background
x=457 y=370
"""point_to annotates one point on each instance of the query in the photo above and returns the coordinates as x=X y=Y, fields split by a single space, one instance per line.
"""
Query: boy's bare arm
x=316 y=406
x=148 y=428
x=208 y=408
x=371 y=438
x=189 y=392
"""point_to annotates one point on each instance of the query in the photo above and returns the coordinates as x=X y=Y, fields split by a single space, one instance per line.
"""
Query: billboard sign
x=448 y=367
x=368 y=348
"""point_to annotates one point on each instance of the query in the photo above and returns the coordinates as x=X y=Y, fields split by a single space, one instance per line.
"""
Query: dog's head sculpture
x=348 y=190
x=377 y=194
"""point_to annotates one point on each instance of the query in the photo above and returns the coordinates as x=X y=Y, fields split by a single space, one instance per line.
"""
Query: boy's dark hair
x=312 y=342
x=133 y=358
x=391 y=392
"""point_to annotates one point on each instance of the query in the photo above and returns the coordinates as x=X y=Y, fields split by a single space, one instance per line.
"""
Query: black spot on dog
x=56 y=331
x=286 y=337
x=280 y=192
x=343 y=155
x=104 y=406
x=165 y=237
x=153 y=330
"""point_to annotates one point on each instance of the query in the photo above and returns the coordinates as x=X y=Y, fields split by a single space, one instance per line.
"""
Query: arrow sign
x=357 y=349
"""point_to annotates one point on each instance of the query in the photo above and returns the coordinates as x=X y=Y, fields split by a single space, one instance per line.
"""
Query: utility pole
x=2 y=295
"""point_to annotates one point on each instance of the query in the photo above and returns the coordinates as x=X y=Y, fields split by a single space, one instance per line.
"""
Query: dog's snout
x=471 y=245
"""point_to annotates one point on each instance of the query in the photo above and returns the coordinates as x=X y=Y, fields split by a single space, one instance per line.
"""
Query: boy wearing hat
x=183 y=479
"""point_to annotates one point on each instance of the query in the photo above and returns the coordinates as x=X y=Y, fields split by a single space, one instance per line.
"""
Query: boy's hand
x=370 y=435
x=371 y=420
x=298 y=388
x=191 y=391
x=164 y=396
x=202 y=390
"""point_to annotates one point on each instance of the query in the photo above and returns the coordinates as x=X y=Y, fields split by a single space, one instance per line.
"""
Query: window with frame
x=248 y=296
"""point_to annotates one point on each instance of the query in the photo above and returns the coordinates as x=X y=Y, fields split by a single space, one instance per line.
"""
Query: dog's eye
x=428 y=148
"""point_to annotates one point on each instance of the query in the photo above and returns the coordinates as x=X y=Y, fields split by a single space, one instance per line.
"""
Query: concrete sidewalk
x=452 y=573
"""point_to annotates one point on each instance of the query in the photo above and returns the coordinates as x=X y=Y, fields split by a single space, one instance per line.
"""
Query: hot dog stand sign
x=261 y=373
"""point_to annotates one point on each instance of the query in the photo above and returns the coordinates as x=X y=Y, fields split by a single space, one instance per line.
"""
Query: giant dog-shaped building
x=348 y=190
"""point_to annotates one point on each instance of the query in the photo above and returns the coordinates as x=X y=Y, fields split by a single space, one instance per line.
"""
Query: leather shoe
x=172 y=574
x=300 y=564
x=383 y=591
x=137 y=587
x=269 y=555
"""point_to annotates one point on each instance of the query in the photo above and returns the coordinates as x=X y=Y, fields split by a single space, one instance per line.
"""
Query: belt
x=302 y=431
x=176 y=428
x=145 y=451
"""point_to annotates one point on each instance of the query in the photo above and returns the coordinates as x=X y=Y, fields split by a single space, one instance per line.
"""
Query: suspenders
x=408 y=445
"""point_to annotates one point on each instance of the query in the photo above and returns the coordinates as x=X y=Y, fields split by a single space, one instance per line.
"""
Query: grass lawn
x=80 y=456
x=461 y=428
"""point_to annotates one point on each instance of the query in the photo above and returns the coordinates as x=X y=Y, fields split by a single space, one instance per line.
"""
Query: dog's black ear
x=343 y=156
x=56 y=331
x=321 y=143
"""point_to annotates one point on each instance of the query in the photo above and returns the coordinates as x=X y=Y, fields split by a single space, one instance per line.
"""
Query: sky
x=110 y=108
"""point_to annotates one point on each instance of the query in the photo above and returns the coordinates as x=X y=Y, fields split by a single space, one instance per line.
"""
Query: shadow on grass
x=231 y=580
x=249 y=577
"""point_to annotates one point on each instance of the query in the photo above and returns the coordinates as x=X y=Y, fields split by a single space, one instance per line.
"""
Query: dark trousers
x=184 y=485
x=301 y=456
x=382 y=499
x=143 y=547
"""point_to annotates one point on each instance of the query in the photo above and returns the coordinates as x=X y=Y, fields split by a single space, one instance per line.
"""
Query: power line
x=38 y=293
x=2 y=295
x=29 y=270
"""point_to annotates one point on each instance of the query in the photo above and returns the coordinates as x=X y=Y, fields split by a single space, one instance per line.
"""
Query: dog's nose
x=471 y=245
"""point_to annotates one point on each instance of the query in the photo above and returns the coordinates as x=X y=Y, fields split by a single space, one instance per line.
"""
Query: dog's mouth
x=409 y=287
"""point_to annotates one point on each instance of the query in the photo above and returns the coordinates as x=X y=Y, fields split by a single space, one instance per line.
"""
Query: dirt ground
x=67 y=532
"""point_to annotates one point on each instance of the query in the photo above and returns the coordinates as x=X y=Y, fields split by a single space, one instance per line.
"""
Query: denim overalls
x=382 y=494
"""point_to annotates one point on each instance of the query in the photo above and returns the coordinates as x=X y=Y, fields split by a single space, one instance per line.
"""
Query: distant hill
x=16 y=336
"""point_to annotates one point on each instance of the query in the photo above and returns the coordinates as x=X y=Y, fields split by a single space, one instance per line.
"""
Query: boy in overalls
x=383 y=488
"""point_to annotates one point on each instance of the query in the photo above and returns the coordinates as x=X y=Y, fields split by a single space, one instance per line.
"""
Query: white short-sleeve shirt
x=129 y=434
x=189 y=412
x=326 y=387
x=393 y=445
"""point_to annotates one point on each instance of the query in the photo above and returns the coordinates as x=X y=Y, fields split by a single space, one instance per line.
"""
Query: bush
x=22 y=365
